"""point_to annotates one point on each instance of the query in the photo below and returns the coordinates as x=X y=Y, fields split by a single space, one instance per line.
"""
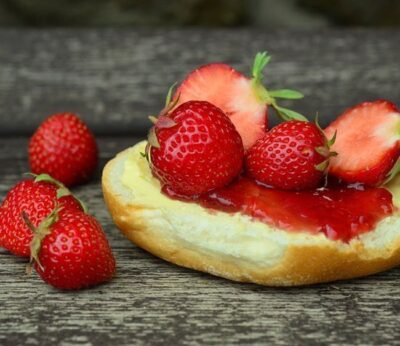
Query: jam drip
x=339 y=212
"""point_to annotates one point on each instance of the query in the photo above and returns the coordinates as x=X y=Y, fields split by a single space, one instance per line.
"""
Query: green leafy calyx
x=324 y=150
x=39 y=233
x=62 y=190
x=168 y=99
x=269 y=96
x=162 y=121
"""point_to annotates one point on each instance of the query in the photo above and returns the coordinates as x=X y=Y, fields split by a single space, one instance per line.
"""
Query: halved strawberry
x=367 y=143
x=244 y=100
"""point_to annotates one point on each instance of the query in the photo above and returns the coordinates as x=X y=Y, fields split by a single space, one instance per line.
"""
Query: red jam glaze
x=339 y=212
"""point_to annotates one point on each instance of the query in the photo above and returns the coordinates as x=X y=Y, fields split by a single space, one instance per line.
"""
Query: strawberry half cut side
x=244 y=100
x=226 y=88
x=367 y=143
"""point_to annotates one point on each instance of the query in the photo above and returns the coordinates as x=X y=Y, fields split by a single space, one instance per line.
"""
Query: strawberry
x=70 y=251
x=37 y=198
x=292 y=156
x=367 y=143
x=244 y=100
x=194 y=149
x=64 y=147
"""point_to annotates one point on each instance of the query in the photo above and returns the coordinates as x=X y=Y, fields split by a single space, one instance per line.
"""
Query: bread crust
x=301 y=264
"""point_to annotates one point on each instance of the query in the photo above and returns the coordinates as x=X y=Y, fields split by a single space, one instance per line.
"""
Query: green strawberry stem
x=39 y=233
x=269 y=97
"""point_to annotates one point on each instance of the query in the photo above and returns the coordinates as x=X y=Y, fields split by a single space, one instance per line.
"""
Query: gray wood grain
x=153 y=302
x=115 y=78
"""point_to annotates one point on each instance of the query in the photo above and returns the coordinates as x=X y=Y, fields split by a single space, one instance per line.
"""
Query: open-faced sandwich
x=212 y=189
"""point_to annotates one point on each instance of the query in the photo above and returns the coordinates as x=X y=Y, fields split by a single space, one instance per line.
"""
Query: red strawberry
x=367 y=143
x=70 y=251
x=243 y=99
x=37 y=198
x=292 y=156
x=194 y=149
x=64 y=147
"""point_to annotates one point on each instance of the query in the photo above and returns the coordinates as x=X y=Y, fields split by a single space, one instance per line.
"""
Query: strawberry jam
x=339 y=212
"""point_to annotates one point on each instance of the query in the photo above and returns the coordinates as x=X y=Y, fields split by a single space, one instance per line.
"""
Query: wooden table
x=114 y=79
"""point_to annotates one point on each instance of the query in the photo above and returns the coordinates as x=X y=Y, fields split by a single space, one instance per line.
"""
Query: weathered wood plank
x=115 y=78
x=153 y=302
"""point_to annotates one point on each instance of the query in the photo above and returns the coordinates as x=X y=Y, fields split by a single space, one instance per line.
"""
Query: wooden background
x=114 y=79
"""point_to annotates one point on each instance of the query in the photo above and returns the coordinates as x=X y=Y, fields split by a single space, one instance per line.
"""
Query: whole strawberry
x=292 y=156
x=37 y=198
x=70 y=250
x=64 y=147
x=195 y=149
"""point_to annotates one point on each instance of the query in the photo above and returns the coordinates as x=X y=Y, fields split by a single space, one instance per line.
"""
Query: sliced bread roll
x=234 y=246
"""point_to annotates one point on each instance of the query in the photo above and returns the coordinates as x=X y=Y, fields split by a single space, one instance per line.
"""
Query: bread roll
x=234 y=246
